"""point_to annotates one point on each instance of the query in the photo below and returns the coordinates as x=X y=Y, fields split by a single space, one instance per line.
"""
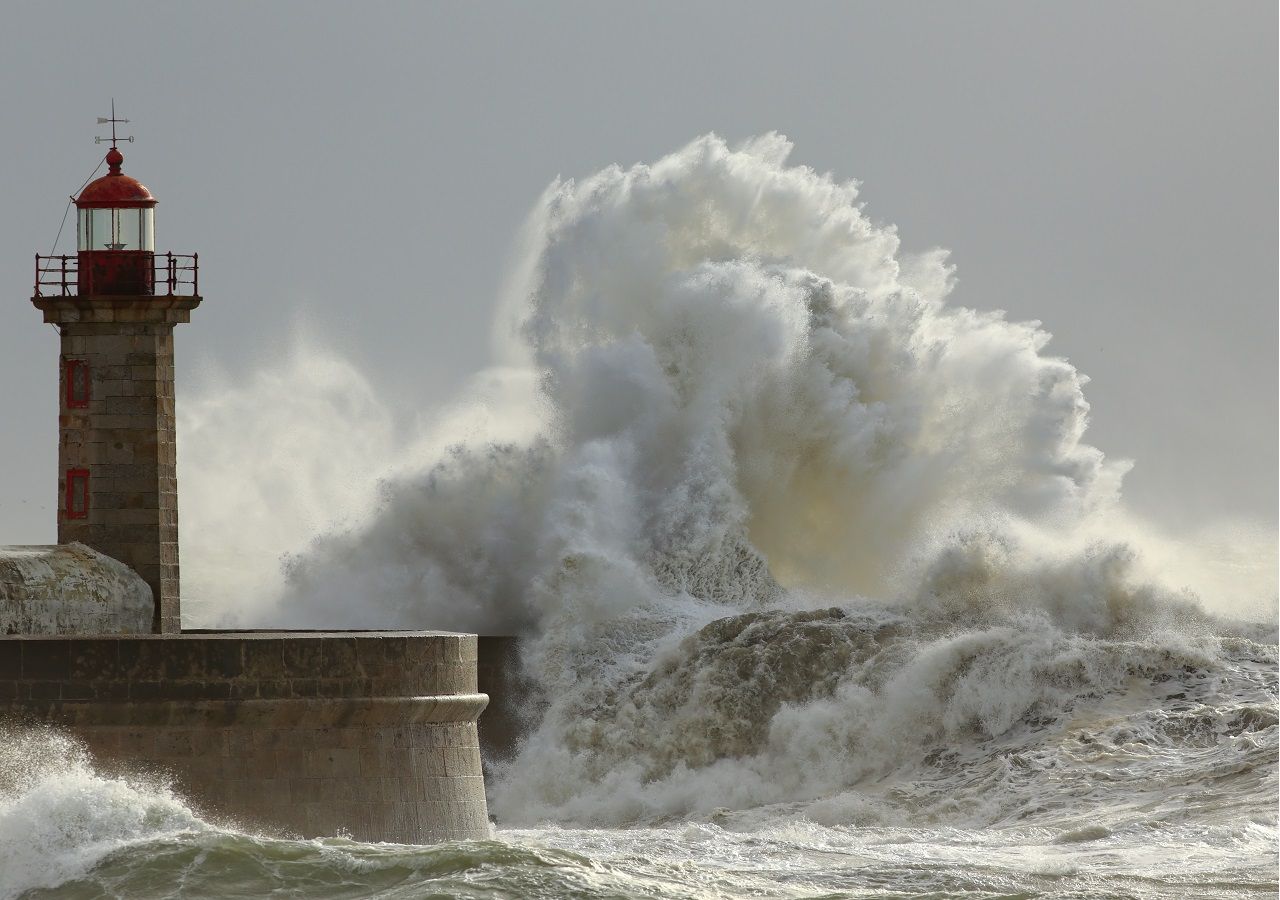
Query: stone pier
x=370 y=734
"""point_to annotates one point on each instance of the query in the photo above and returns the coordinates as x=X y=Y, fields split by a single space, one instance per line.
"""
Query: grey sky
x=361 y=170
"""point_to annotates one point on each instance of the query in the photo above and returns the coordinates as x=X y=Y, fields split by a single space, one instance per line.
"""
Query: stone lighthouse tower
x=115 y=304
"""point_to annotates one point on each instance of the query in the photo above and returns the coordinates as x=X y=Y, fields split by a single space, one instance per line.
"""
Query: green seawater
x=802 y=861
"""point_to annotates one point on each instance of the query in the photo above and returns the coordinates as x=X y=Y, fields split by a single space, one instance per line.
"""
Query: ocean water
x=1164 y=787
x=824 y=594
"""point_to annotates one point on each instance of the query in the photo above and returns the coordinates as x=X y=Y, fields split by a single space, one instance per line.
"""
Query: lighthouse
x=372 y=734
x=115 y=304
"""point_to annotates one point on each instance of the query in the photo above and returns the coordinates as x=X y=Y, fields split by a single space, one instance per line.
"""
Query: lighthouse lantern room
x=116 y=243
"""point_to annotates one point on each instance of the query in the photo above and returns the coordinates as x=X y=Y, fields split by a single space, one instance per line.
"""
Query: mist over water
x=801 y=551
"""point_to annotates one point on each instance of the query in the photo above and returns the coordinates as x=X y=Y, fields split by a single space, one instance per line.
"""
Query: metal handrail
x=67 y=277
x=175 y=272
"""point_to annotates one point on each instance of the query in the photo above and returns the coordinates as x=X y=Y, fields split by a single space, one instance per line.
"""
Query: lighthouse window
x=77 y=493
x=117 y=229
x=77 y=376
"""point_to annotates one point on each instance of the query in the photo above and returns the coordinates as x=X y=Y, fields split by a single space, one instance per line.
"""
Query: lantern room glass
x=117 y=229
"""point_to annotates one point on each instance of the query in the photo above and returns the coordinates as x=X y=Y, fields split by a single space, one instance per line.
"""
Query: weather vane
x=113 y=120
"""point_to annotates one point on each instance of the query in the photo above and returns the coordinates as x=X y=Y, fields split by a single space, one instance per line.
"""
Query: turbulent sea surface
x=823 y=593
x=1163 y=788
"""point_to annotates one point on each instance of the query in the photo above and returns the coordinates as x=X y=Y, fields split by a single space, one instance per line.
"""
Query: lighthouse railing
x=175 y=275
x=56 y=276
x=180 y=271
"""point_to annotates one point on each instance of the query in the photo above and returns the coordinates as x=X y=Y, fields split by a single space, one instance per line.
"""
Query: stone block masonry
x=117 y=440
x=125 y=438
x=371 y=734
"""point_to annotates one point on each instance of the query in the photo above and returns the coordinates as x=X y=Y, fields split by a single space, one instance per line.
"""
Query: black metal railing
x=174 y=274
x=56 y=272
x=181 y=270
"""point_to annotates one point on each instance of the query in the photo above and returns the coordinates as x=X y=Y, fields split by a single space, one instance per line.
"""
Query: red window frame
x=77 y=368
x=77 y=489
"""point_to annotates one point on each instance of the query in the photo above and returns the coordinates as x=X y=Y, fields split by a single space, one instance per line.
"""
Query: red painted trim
x=77 y=483
x=72 y=367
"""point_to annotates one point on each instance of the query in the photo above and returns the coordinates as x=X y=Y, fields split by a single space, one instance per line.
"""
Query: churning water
x=824 y=593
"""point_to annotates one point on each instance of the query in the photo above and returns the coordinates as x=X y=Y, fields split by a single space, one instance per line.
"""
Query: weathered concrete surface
x=371 y=734
x=70 y=589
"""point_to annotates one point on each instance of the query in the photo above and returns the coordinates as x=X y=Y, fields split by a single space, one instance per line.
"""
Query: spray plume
x=739 y=403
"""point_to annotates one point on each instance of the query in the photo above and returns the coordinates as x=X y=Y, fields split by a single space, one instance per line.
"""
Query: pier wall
x=371 y=734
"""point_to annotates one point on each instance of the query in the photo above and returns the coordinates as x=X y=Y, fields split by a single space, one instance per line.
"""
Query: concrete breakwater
x=371 y=734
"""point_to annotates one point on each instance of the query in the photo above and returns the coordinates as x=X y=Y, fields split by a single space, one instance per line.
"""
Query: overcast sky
x=359 y=171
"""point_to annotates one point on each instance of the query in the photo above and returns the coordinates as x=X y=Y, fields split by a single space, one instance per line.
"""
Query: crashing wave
x=751 y=413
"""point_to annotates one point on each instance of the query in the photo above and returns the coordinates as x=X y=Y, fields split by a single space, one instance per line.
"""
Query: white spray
x=745 y=400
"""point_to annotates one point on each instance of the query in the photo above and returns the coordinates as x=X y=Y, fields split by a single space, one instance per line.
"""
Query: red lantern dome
x=115 y=189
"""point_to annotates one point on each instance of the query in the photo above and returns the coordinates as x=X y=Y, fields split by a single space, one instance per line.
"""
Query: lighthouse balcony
x=117 y=273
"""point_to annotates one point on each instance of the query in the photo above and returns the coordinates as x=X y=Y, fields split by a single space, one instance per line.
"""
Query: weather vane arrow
x=113 y=121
